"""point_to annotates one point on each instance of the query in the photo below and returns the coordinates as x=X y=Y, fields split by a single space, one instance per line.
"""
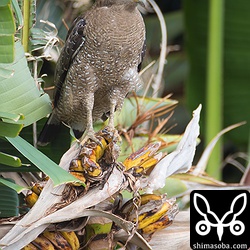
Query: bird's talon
x=90 y=137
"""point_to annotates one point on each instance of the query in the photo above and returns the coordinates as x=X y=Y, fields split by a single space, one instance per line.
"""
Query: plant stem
x=26 y=25
x=158 y=78
x=214 y=101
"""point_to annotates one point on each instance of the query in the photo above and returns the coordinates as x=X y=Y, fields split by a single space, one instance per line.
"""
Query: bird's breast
x=113 y=41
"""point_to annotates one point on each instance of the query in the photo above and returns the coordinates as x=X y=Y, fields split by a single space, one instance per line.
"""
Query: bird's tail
x=49 y=131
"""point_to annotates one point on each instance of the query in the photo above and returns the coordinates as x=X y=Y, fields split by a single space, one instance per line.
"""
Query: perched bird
x=98 y=66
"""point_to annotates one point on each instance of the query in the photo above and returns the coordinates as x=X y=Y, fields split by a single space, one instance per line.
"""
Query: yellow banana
x=92 y=168
x=163 y=222
x=145 y=198
x=140 y=156
x=76 y=166
x=31 y=198
x=148 y=163
x=72 y=239
x=30 y=246
x=59 y=242
x=79 y=176
x=98 y=151
x=87 y=161
x=154 y=217
x=43 y=243
x=37 y=188
x=141 y=217
x=131 y=205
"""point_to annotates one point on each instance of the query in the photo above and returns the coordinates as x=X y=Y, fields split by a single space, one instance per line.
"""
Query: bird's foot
x=111 y=134
x=90 y=135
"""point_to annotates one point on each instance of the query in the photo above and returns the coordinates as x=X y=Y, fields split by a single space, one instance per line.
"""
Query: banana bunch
x=33 y=194
x=86 y=166
x=54 y=241
x=144 y=158
x=152 y=214
x=149 y=212
x=49 y=240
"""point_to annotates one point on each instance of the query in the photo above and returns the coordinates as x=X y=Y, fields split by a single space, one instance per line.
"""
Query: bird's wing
x=143 y=52
x=74 y=41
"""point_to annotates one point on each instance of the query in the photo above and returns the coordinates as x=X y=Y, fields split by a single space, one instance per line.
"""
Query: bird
x=97 y=68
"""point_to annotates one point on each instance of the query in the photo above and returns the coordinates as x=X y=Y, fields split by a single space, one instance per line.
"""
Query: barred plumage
x=98 y=66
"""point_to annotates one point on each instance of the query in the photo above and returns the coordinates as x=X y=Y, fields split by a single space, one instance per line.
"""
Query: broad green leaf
x=7 y=128
x=10 y=129
x=19 y=93
x=7 y=24
x=8 y=116
x=7 y=30
x=9 y=201
x=4 y=2
x=6 y=73
x=6 y=48
x=10 y=160
x=12 y=185
x=173 y=187
x=57 y=174
x=18 y=13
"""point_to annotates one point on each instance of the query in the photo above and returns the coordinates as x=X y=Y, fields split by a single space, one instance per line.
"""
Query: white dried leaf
x=180 y=160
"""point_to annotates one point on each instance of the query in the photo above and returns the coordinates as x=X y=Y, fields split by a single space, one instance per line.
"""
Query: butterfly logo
x=203 y=227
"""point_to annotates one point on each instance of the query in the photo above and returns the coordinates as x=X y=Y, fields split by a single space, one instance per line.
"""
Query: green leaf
x=7 y=30
x=4 y=2
x=6 y=73
x=8 y=116
x=173 y=187
x=7 y=25
x=18 y=13
x=6 y=48
x=19 y=93
x=57 y=174
x=10 y=160
x=9 y=129
x=12 y=185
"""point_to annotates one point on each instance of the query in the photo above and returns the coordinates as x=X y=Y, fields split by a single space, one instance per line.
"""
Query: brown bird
x=98 y=66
